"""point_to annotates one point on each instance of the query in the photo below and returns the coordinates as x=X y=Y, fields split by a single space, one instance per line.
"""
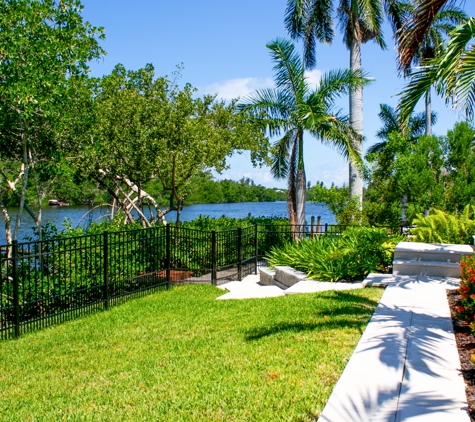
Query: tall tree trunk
x=300 y=194
x=428 y=114
x=8 y=230
x=23 y=188
x=356 y=122
x=291 y=194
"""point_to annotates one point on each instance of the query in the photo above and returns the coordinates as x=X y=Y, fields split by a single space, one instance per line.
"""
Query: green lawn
x=180 y=355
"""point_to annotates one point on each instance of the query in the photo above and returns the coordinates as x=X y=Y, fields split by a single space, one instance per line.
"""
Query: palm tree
x=413 y=31
x=452 y=73
x=293 y=108
x=311 y=20
x=432 y=43
x=392 y=124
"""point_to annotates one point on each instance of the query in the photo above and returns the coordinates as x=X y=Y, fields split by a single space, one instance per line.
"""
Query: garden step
x=416 y=251
x=287 y=276
x=266 y=277
x=429 y=268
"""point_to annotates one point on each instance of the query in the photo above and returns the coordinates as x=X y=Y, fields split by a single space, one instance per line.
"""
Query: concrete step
x=428 y=268
x=287 y=276
x=266 y=277
x=416 y=251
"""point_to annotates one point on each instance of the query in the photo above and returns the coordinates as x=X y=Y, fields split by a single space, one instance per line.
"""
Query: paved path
x=249 y=288
x=406 y=366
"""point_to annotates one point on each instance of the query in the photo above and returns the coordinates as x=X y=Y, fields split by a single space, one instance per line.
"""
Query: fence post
x=239 y=253
x=319 y=224
x=213 y=258
x=168 y=254
x=312 y=226
x=256 y=249
x=106 y=269
x=326 y=227
x=16 y=293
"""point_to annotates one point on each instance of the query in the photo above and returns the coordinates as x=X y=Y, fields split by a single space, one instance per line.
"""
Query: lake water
x=76 y=214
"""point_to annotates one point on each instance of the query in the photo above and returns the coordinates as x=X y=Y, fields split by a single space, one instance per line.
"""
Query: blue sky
x=222 y=46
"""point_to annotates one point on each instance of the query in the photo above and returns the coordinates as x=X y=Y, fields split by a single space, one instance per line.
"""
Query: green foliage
x=44 y=47
x=354 y=254
x=338 y=200
x=414 y=169
x=442 y=227
x=460 y=166
x=203 y=189
x=466 y=312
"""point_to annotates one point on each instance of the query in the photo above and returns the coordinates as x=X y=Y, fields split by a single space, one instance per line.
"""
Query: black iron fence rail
x=47 y=282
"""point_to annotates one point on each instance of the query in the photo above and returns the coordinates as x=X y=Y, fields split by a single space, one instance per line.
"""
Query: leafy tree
x=147 y=127
x=293 y=108
x=44 y=50
x=460 y=167
x=338 y=200
x=413 y=169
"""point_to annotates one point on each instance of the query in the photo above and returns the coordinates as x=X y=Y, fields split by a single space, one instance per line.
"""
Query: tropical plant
x=360 y=22
x=293 y=108
x=414 y=29
x=433 y=42
x=354 y=254
x=452 y=74
x=443 y=227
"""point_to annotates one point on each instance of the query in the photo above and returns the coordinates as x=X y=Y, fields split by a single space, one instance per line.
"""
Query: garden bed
x=466 y=347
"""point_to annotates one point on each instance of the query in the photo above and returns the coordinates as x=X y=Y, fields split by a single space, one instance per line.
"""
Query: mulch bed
x=466 y=347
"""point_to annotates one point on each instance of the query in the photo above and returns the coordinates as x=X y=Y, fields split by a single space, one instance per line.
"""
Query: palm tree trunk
x=428 y=114
x=301 y=184
x=291 y=192
x=356 y=121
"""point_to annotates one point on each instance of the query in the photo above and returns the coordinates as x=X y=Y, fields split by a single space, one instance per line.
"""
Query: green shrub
x=442 y=227
x=354 y=254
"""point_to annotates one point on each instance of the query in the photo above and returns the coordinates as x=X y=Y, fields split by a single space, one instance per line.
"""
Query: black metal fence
x=46 y=282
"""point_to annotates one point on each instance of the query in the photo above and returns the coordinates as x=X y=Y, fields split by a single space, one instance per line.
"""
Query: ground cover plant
x=180 y=355
x=444 y=227
x=354 y=254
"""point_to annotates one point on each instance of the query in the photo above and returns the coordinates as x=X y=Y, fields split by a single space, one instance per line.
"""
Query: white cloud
x=242 y=87
x=313 y=77
x=238 y=87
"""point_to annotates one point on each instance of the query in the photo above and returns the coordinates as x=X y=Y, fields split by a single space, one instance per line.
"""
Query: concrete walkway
x=406 y=366
x=249 y=288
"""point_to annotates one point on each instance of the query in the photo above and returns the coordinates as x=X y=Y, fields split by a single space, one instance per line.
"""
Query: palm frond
x=310 y=21
x=270 y=105
x=413 y=31
x=337 y=83
x=289 y=71
x=280 y=156
x=420 y=83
